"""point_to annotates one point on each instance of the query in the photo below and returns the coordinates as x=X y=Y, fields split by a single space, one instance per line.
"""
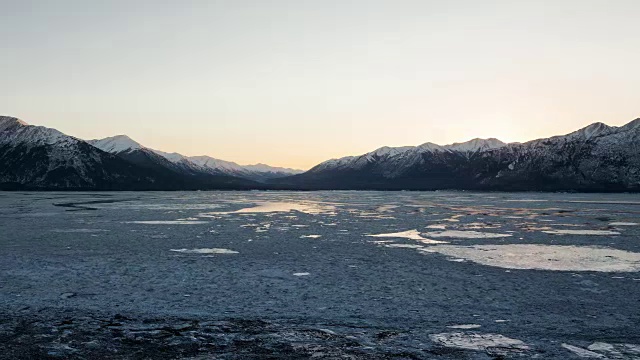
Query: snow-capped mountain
x=39 y=157
x=595 y=158
x=397 y=160
x=35 y=157
x=131 y=150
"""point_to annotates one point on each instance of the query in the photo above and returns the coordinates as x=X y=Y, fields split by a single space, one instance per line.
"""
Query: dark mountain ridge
x=596 y=158
x=39 y=158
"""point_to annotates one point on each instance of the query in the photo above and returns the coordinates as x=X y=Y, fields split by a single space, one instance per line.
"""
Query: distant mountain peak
x=116 y=144
x=591 y=131
x=476 y=144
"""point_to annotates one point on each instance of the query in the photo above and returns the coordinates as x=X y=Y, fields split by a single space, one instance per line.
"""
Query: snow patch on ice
x=546 y=257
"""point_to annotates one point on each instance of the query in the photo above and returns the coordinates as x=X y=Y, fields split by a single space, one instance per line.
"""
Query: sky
x=296 y=82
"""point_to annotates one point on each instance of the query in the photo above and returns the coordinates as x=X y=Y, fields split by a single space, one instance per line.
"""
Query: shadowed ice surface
x=320 y=274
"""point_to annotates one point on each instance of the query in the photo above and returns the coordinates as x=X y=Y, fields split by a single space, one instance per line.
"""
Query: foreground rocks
x=54 y=334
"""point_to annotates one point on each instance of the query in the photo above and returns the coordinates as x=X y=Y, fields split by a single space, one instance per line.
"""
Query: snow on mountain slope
x=39 y=157
x=116 y=144
x=259 y=172
x=596 y=158
x=35 y=157
x=406 y=156
x=476 y=145
x=124 y=146
x=15 y=131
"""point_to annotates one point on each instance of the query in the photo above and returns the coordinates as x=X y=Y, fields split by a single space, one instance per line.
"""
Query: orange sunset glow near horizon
x=294 y=83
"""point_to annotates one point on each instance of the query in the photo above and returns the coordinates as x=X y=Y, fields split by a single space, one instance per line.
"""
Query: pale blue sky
x=295 y=82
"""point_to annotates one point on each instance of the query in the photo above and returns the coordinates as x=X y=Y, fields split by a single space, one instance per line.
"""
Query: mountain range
x=596 y=158
x=128 y=149
x=40 y=158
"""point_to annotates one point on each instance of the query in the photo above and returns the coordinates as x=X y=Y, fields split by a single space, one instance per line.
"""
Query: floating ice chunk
x=386 y=208
x=79 y=231
x=479 y=342
x=600 y=346
x=409 y=234
x=623 y=224
x=583 y=353
x=526 y=200
x=168 y=222
x=437 y=226
x=465 y=326
x=405 y=246
x=467 y=234
x=205 y=251
x=546 y=257
x=302 y=274
x=581 y=232
x=310 y=236
x=616 y=351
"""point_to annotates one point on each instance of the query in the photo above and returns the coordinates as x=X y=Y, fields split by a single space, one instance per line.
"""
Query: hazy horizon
x=294 y=83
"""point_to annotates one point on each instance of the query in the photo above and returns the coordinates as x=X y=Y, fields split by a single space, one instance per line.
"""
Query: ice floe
x=623 y=224
x=467 y=234
x=583 y=353
x=546 y=257
x=79 y=231
x=205 y=251
x=465 y=326
x=409 y=234
x=479 y=342
x=404 y=246
x=310 y=236
x=386 y=208
x=580 y=232
x=168 y=222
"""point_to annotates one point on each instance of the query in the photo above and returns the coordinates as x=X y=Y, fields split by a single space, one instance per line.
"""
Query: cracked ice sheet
x=546 y=257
